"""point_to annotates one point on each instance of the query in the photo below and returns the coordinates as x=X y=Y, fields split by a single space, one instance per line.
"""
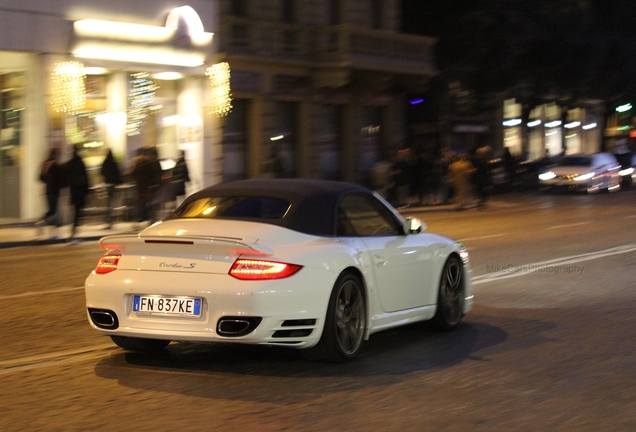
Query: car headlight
x=547 y=175
x=583 y=177
x=626 y=172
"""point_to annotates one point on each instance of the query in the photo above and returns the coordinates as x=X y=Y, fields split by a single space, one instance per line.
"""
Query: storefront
x=140 y=82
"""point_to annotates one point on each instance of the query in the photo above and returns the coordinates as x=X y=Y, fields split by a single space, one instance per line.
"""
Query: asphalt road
x=550 y=344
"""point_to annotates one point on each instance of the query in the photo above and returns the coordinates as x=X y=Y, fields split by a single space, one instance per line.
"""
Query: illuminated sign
x=623 y=108
x=181 y=42
x=512 y=122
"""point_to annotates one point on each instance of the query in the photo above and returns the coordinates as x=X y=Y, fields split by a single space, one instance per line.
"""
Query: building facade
x=318 y=87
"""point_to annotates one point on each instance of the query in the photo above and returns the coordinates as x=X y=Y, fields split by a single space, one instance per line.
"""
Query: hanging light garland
x=69 y=87
x=219 y=75
x=142 y=93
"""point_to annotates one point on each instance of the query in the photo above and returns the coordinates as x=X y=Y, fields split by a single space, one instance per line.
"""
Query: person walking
x=461 y=173
x=180 y=176
x=77 y=179
x=52 y=176
x=482 y=175
x=146 y=181
x=112 y=177
x=161 y=190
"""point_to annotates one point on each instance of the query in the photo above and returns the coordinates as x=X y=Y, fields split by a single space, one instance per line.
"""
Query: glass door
x=12 y=90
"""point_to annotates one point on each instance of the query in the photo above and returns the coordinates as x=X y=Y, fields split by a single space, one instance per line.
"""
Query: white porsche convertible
x=309 y=264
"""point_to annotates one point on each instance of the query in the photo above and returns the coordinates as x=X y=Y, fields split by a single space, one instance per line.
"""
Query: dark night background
x=574 y=49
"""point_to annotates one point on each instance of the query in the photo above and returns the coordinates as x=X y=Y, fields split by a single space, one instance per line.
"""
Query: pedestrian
x=112 y=177
x=160 y=191
x=52 y=176
x=146 y=181
x=482 y=175
x=77 y=179
x=180 y=176
x=461 y=172
x=404 y=177
x=509 y=167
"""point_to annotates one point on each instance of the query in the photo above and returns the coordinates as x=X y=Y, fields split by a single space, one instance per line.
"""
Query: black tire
x=139 y=344
x=345 y=323
x=450 y=298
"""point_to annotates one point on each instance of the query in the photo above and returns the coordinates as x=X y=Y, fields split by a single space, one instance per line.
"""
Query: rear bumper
x=287 y=312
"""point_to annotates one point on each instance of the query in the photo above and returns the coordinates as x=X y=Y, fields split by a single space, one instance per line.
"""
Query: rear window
x=233 y=207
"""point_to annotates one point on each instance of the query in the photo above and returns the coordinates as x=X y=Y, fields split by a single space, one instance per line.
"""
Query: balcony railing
x=328 y=46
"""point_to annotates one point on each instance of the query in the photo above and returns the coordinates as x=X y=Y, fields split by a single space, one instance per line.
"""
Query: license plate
x=173 y=306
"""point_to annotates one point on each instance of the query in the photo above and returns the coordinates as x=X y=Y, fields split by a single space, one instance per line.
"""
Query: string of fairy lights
x=69 y=92
x=219 y=75
x=69 y=87
x=142 y=93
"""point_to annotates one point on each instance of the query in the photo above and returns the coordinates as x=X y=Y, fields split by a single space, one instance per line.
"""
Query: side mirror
x=414 y=226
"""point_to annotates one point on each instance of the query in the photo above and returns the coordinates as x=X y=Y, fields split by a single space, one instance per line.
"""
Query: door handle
x=380 y=260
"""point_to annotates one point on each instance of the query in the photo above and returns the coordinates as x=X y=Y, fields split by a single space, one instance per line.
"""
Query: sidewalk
x=17 y=234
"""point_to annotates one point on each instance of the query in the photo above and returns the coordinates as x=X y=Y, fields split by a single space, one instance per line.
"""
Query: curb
x=45 y=242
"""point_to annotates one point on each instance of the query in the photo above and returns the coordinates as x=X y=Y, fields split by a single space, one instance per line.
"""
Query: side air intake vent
x=296 y=328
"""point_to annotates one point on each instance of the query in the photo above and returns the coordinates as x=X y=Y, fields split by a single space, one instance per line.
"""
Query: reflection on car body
x=307 y=264
x=627 y=173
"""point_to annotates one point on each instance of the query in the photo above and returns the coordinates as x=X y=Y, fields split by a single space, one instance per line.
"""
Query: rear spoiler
x=239 y=246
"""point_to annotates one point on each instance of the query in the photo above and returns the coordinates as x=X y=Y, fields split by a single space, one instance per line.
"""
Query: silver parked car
x=583 y=172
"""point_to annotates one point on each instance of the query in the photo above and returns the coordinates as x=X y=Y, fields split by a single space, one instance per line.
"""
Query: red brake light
x=107 y=263
x=249 y=269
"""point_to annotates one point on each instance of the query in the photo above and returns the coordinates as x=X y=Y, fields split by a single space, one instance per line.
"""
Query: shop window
x=11 y=116
x=158 y=122
x=164 y=123
x=12 y=100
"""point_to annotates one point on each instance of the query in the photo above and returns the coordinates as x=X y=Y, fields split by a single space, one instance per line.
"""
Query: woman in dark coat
x=147 y=180
x=52 y=176
x=179 y=178
x=112 y=177
x=77 y=180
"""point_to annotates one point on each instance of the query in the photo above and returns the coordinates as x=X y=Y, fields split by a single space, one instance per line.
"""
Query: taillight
x=249 y=269
x=107 y=263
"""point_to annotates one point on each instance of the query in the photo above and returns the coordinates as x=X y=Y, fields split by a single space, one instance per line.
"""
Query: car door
x=400 y=263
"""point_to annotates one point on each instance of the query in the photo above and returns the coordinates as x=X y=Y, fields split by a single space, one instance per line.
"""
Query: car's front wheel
x=450 y=299
x=345 y=323
x=139 y=344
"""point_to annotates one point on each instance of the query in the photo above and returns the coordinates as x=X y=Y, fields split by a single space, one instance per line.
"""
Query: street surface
x=550 y=344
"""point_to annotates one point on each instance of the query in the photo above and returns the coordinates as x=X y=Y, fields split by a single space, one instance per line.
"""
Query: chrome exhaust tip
x=236 y=326
x=103 y=318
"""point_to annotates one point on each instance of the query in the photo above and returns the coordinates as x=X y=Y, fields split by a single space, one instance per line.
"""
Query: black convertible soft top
x=312 y=202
